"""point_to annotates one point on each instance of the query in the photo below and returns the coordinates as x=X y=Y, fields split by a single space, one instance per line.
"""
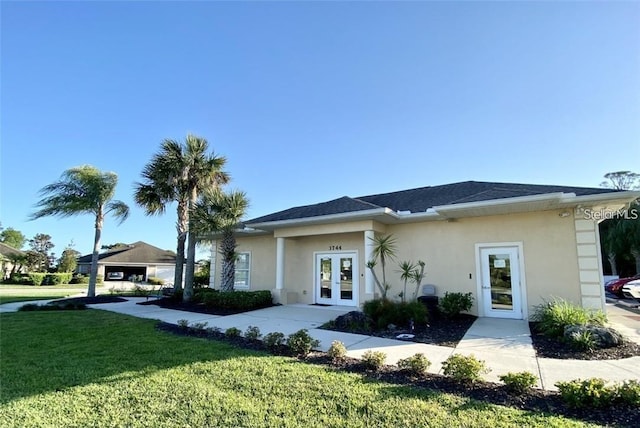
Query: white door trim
x=355 y=279
x=523 y=284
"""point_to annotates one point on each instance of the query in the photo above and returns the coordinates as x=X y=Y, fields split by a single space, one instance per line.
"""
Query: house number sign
x=335 y=247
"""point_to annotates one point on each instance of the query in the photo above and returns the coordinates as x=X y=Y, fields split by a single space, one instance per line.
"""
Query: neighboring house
x=513 y=246
x=139 y=258
x=7 y=254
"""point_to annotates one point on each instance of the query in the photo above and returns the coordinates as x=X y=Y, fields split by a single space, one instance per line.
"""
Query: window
x=243 y=267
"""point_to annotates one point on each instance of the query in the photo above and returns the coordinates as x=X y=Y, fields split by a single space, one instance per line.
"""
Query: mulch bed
x=532 y=400
x=101 y=298
x=547 y=347
x=440 y=331
x=169 y=303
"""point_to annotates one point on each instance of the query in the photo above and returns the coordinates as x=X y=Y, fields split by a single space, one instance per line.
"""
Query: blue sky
x=310 y=101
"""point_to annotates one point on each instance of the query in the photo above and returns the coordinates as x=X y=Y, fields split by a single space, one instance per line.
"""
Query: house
x=8 y=255
x=513 y=246
x=139 y=258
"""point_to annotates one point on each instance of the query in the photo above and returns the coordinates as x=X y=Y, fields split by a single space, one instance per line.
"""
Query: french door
x=336 y=279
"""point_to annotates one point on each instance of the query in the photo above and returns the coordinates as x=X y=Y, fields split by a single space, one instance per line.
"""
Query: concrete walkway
x=504 y=345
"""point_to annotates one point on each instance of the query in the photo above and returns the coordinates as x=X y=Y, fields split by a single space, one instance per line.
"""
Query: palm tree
x=384 y=248
x=178 y=173
x=406 y=273
x=219 y=212
x=83 y=190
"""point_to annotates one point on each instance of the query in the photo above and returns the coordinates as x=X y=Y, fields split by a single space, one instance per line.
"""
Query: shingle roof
x=423 y=198
x=7 y=250
x=138 y=252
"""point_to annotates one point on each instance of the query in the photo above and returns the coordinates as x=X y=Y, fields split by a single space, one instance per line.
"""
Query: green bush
x=416 y=365
x=384 y=312
x=552 y=317
x=584 y=341
x=200 y=280
x=464 y=368
x=452 y=304
x=301 y=343
x=240 y=300
x=59 y=278
x=519 y=383
x=274 y=341
x=595 y=393
x=200 y=326
x=232 y=332
x=374 y=360
x=79 y=279
x=589 y=393
x=36 y=278
x=154 y=280
x=629 y=393
x=253 y=333
x=337 y=351
x=183 y=323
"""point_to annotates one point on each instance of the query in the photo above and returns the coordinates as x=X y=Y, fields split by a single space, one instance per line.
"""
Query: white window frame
x=248 y=270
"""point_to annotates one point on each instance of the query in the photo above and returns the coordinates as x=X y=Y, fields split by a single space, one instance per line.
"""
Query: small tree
x=68 y=261
x=384 y=249
x=41 y=243
x=13 y=238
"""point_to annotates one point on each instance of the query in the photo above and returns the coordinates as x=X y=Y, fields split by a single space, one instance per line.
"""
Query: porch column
x=279 y=263
x=212 y=269
x=279 y=293
x=369 y=286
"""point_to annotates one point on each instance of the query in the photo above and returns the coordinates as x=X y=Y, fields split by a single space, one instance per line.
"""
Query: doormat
x=319 y=304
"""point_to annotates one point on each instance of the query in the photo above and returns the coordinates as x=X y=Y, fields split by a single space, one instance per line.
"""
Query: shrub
x=374 y=360
x=301 y=343
x=583 y=341
x=274 y=341
x=201 y=326
x=629 y=393
x=452 y=304
x=520 y=382
x=200 y=280
x=416 y=365
x=384 y=312
x=59 y=278
x=592 y=393
x=232 y=332
x=214 y=330
x=36 y=278
x=240 y=300
x=183 y=324
x=464 y=368
x=154 y=280
x=553 y=317
x=253 y=333
x=337 y=351
x=79 y=279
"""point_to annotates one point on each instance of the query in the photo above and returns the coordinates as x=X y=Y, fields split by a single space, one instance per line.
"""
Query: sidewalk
x=504 y=345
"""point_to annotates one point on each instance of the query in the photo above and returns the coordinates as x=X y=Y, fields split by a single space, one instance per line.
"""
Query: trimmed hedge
x=245 y=300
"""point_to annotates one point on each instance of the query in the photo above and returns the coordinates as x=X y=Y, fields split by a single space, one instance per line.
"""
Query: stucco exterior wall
x=548 y=240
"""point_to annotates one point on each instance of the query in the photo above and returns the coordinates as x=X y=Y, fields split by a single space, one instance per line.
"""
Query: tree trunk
x=612 y=261
x=190 y=269
x=181 y=227
x=228 y=251
x=191 y=251
x=93 y=276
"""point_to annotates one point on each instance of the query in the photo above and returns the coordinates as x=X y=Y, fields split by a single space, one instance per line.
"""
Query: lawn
x=20 y=293
x=95 y=368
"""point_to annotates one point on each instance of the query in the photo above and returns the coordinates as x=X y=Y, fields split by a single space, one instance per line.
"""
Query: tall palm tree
x=219 y=212
x=178 y=173
x=384 y=248
x=83 y=190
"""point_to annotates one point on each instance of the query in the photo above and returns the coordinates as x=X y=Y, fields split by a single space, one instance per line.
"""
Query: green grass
x=21 y=293
x=95 y=368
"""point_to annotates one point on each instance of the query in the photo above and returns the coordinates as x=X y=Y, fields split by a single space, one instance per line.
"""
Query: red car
x=615 y=286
